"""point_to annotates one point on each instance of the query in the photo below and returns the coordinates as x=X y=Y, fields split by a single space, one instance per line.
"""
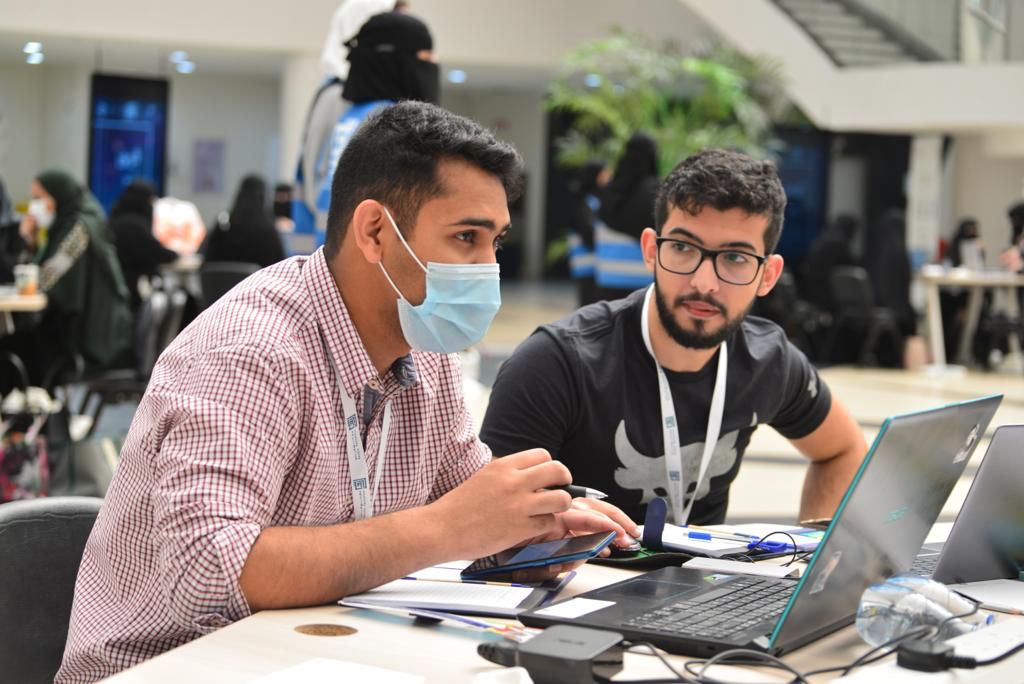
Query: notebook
x=717 y=541
x=894 y=498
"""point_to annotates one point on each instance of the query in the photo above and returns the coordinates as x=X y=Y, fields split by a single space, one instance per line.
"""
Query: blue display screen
x=128 y=135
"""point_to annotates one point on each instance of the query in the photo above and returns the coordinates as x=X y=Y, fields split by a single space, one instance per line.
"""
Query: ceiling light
x=185 y=67
x=457 y=76
x=35 y=58
x=592 y=80
x=179 y=56
x=32 y=47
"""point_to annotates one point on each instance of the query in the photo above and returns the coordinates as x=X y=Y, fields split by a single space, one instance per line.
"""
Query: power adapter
x=930 y=656
x=562 y=654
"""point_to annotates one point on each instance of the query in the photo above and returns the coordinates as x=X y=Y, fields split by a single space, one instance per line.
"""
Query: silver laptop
x=987 y=539
x=878 y=528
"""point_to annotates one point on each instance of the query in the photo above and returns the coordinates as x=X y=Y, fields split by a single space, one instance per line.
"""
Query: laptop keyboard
x=738 y=605
x=924 y=565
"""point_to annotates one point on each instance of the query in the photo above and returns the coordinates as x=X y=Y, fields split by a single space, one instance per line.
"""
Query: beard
x=699 y=337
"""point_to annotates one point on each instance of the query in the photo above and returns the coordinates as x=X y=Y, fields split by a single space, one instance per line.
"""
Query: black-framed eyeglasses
x=731 y=266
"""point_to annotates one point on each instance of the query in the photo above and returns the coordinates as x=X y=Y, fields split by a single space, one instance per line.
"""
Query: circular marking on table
x=325 y=630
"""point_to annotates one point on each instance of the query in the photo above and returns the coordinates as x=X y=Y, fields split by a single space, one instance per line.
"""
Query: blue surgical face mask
x=460 y=304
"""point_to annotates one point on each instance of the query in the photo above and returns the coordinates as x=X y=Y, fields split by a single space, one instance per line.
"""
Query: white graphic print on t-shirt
x=639 y=471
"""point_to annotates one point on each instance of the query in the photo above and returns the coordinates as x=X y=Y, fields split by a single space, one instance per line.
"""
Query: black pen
x=578 y=491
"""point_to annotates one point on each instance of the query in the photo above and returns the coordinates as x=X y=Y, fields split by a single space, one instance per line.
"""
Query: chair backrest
x=851 y=290
x=41 y=544
x=149 y=327
x=172 y=323
x=217 y=277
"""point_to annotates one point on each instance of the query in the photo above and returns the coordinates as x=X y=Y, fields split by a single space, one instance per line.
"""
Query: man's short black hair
x=394 y=156
x=725 y=180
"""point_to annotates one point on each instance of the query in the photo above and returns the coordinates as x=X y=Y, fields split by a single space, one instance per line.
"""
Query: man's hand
x=504 y=504
x=630 y=531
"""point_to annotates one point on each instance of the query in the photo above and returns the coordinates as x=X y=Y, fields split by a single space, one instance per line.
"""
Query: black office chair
x=127 y=384
x=857 y=314
x=41 y=545
x=217 y=277
x=177 y=301
x=802 y=321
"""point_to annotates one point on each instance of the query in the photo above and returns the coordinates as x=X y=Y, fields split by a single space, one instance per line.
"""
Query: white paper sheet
x=574 y=608
x=328 y=670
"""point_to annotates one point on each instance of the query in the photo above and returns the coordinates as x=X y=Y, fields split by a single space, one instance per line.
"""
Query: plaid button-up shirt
x=241 y=428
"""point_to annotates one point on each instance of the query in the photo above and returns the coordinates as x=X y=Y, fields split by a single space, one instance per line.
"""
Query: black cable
x=751 y=658
x=975 y=605
x=653 y=650
x=875 y=654
x=792 y=541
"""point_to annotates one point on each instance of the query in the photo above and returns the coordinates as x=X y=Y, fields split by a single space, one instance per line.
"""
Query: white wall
x=21 y=110
x=242 y=111
x=516 y=32
x=44 y=119
x=516 y=117
x=985 y=187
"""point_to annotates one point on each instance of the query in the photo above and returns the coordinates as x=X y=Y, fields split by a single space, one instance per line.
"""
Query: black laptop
x=878 y=528
x=987 y=539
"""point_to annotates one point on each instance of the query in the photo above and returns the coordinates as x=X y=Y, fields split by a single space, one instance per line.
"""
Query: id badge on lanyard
x=670 y=425
x=362 y=493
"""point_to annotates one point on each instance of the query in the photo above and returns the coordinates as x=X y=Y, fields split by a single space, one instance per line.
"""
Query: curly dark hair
x=723 y=180
x=394 y=156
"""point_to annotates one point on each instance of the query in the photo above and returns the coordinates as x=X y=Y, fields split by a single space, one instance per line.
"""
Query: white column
x=300 y=79
x=924 y=207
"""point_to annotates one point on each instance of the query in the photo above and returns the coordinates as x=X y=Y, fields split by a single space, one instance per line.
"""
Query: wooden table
x=975 y=282
x=268 y=642
x=17 y=303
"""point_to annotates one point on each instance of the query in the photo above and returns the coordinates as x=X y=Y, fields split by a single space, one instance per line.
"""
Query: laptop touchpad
x=647 y=589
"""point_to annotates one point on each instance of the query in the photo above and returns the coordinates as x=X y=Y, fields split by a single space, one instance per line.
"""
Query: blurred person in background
x=831 y=250
x=585 y=188
x=1013 y=258
x=87 y=312
x=890 y=272
x=627 y=208
x=248 y=233
x=966 y=248
x=283 y=208
x=320 y=136
x=138 y=250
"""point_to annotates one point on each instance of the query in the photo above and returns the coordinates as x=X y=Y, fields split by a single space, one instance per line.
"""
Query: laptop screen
x=895 y=498
x=987 y=540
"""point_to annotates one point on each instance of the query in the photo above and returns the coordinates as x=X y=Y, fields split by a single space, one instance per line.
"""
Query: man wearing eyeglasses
x=658 y=394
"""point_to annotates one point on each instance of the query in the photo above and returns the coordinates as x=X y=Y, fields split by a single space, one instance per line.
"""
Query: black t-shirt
x=585 y=388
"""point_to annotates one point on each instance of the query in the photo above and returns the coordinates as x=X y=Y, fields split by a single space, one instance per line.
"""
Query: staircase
x=854 y=36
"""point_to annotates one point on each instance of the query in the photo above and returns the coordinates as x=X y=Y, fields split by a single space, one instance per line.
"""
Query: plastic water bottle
x=904 y=602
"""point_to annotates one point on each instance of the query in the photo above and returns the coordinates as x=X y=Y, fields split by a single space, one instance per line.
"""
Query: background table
x=975 y=282
x=18 y=304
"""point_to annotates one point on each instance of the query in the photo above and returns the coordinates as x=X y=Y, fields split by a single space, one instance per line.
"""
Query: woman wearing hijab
x=390 y=59
x=87 y=310
x=249 y=234
x=627 y=207
x=138 y=251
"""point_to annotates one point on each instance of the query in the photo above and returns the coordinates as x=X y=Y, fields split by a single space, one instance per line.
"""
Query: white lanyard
x=670 y=427
x=362 y=494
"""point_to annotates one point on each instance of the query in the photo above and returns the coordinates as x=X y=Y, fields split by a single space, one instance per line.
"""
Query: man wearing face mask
x=306 y=437
x=389 y=59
